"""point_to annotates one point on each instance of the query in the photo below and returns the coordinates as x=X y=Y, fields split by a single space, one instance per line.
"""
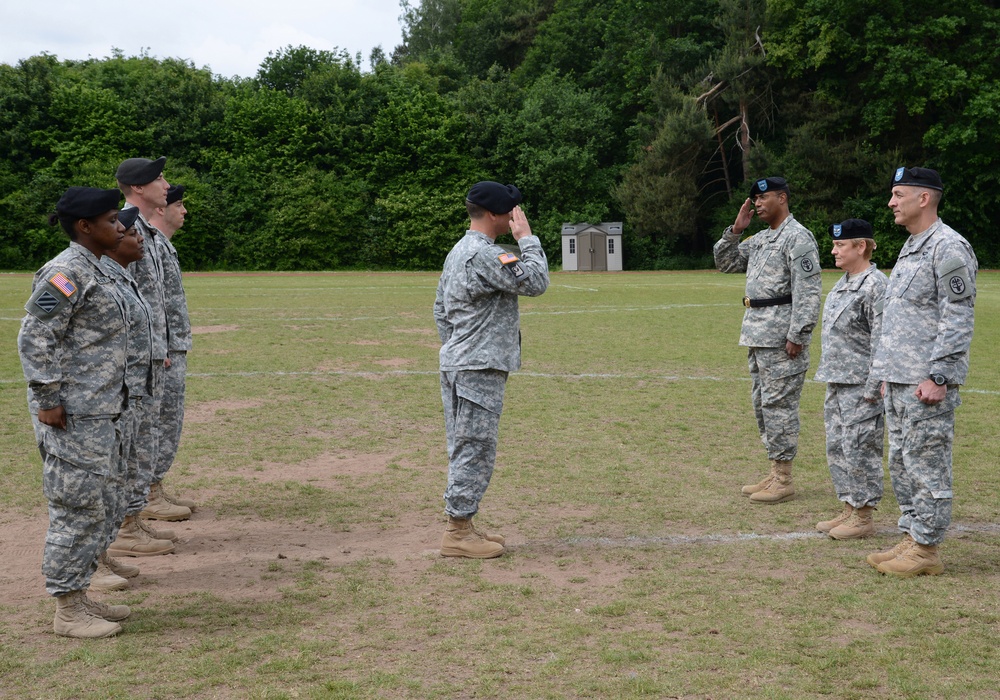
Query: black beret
x=175 y=194
x=494 y=197
x=768 y=184
x=851 y=228
x=918 y=177
x=87 y=202
x=139 y=171
x=128 y=216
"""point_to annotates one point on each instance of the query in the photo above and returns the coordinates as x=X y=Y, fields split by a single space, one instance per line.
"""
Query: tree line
x=658 y=113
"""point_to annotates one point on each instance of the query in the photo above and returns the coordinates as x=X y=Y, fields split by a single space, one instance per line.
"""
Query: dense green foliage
x=656 y=113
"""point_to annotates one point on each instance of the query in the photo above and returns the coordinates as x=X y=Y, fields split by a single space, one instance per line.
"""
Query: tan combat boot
x=73 y=619
x=111 y=613
x=157 y=534
x=133 y=541
x=499 y=539
x=120 y=568
x=779 y=489
x=176 y=500
x=159 y=508
x=751 y=489
x=859 y=525
x=876 y=558
x=827 y=525
x=917 y=559
x=105 y=580
x=461 y=540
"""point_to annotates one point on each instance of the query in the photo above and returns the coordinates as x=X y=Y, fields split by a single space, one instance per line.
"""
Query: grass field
x=315 y=444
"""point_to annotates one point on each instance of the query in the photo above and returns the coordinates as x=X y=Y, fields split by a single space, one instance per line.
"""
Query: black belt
x=758 y=303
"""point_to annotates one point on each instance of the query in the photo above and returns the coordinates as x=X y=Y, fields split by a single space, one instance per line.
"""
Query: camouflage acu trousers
x=125 y=482
x=146 y=442
x=855 y=435
x=920 y=441
x=473 y=402
x=171 y=414
x=775 y=389
x=79 y=472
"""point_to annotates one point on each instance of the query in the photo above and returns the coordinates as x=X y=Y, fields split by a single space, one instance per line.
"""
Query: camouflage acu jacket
x=139 y=352
x=148 y=274
x=928 y=316
x=778 y=262
x=852 y=323
x=72 y=341
x=476 y=305
x=174 y=300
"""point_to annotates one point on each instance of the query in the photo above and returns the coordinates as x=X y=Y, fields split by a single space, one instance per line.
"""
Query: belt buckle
x=746 y=302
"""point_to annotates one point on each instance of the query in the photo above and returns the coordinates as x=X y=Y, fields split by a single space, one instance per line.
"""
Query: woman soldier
x=111 y=573
x=72 y=346
x=852 y=322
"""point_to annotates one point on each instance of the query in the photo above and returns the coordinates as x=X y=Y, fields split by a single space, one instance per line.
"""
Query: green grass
x=636 y=569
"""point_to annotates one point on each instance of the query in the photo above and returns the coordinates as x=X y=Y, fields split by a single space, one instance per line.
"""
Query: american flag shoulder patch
x=63 y=284
x=507 y=258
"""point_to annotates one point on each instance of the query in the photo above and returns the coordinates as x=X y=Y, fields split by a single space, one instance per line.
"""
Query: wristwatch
x=939 y=379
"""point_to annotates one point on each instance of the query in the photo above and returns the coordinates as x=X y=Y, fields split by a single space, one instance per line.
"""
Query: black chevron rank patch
x=46 y=302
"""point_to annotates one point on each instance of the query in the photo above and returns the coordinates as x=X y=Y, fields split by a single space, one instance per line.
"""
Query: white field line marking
x=635 y=542
x=533 y=375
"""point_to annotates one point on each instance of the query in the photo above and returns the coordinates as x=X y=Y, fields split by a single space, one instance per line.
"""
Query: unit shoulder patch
x=48 y=299
x=513 y=263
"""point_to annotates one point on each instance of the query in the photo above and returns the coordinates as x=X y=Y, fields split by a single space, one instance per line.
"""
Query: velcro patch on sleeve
x=46 y=301
x=959 y=284
x=63 y=283
x=513 y=263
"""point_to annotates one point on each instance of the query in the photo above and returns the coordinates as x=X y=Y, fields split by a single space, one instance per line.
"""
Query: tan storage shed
x=592 y=247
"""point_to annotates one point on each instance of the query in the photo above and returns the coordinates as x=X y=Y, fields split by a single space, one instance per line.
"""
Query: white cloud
x=231 y=37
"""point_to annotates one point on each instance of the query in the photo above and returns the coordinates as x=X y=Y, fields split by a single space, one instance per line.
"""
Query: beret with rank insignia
x=918 y=177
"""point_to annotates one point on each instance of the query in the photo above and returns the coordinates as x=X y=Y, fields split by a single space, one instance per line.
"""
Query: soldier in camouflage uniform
x=855 y=429
x=782 y=307
x=72 y=345
x=168 y=220
x=111 y=573
x=145 y=188
x=477 y=319
x=922 y=358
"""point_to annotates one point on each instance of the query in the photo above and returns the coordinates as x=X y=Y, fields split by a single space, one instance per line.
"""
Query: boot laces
x=145 y=528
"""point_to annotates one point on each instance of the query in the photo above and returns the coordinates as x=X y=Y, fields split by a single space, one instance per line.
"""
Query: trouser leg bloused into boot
x=780 y=488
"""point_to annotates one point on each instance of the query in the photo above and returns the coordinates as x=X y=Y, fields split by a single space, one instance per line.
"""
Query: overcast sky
x=232 y=37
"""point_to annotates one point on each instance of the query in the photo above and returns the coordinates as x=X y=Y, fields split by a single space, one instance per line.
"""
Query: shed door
x=593 y=251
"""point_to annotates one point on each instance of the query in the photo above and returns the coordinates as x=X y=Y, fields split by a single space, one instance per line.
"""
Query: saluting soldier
x=852 y=412
x=476 y=313
x=782 y=298
x=72 y=346
x=922 y=359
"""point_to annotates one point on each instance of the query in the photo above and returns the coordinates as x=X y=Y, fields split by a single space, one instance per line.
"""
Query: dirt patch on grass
x=394 y=362
x=200 y=330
